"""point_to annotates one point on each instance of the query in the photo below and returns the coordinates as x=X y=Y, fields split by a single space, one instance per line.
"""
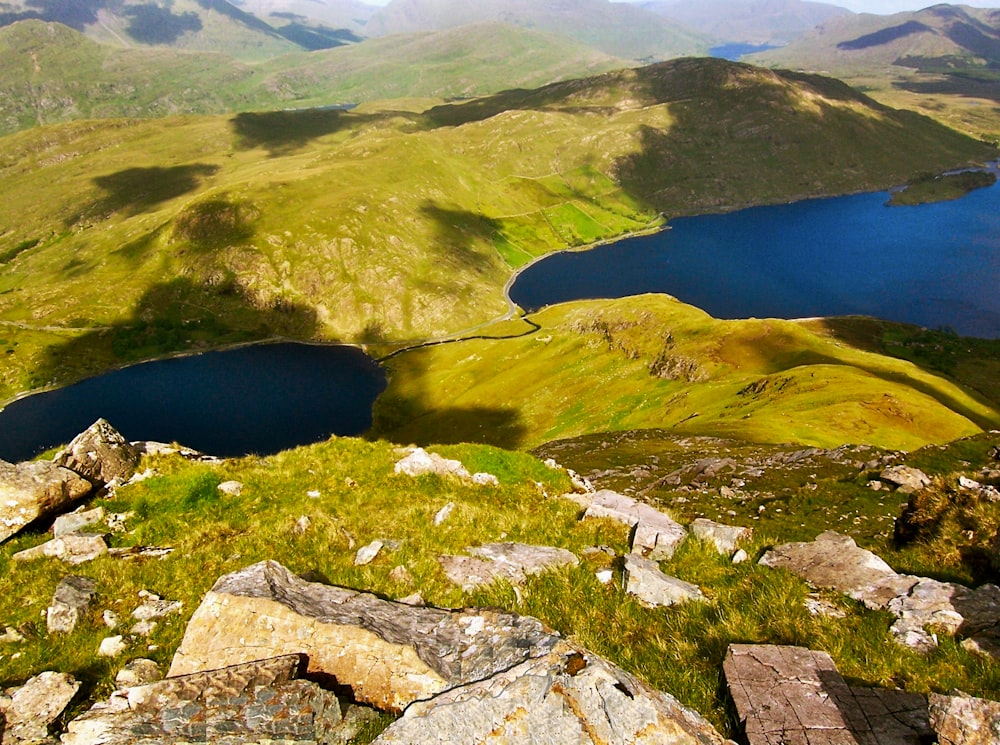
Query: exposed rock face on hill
x=100 y=454
x=29 y=491
x=389 y=654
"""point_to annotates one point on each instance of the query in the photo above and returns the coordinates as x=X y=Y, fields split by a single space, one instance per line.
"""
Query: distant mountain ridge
x=620 y=29
x=943 y=36
x=774 y=22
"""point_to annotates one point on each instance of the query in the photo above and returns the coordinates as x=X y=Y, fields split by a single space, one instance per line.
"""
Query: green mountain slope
x=750 y=21
x=126 y=239
x=199 y=25
x=50 y=73
x=619 y=29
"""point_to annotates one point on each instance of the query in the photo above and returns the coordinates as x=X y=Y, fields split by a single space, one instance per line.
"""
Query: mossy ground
x=348 y=490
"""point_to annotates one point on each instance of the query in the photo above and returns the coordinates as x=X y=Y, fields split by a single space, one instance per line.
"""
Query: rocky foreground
x=271 y=657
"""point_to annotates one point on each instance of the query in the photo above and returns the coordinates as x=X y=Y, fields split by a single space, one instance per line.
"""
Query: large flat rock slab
x=796 y=696
x=389 y=654
x=568 y=697
x=655 y=535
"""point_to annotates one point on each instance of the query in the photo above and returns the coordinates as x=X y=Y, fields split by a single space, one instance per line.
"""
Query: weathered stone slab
x=654 y=588
x=100 y=454
x=389 y=654
x=36 y=705
x=656 y=536
x=835 y=561
x=72 y=599
x=567 y=697
x=964 y=720
x=512 y=562
x=75 y=521
x=73 y=548
x=261 y=701
x=792 y=695
x=723 y=537
x=29 y=491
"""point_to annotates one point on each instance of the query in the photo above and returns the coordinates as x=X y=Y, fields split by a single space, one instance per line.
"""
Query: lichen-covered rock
x=100 y=454
x=654 y=588
x=75 y=521
x=906 y=478
x=723 y=537
x=512 y=562
x=72 y=599
x=656 y=535
x=262 y=701
x=389 y=654
x=420 y=463
x=36 y=705
x=30 y=491
x=964 y=720
x=567 y=697
x=73 y=548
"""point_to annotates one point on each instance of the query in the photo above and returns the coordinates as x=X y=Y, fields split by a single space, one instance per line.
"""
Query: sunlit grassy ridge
x=125 y=239
x=651 y=361
x=347 y=489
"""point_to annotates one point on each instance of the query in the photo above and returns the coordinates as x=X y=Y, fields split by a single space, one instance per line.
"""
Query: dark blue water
x=259 y=399
x=934 y=265
x=735 y=51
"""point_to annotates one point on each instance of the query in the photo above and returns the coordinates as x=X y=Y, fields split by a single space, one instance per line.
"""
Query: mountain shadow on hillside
x=136 y=190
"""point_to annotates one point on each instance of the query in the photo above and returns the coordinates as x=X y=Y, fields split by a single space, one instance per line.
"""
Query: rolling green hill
x=51 y=73
x=941 y=61
x=618 y=29
x=126 y=239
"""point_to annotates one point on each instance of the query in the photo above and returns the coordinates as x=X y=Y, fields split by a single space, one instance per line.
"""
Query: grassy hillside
x=619 y=29
x=941 y=61
x=338 y=485
x=50 y=73
x=651 y=361
x=121 y=240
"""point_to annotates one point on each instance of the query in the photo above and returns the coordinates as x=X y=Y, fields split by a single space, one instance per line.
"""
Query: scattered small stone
x=367 y=554
x=11 y=636
x=74 y=521
x=110 y=619
x=140 y=552
x=111 y=646
x=72 y=599
x=485 y=479
x=401 y=575
x=580 y=483
x=231 y=488
x=875 y=485
x=138 y=672
x=820 y=606
x=302 y=525
x=153 y=606
x=444 y=513
x=551 y=463
x=143 y=628
x=350 y=483
x=313 y=494
x=740 y=556
x=116 y=521
x=414 y=600
x=605 y=576
x=723 y=537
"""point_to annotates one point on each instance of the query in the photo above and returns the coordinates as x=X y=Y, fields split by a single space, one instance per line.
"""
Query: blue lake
x=934 y=265
x=258 y=399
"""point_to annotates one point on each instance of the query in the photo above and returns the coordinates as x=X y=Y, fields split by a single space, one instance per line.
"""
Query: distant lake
x=934 y=265
x=258 y=399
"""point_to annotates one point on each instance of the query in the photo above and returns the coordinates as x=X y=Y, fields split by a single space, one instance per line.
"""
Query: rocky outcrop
x=644 y=580
x=922 y=606
x=907 y=479
x=789 y=695
x=964 y=720
x=262 y=701
x=389 y=654
x=74 y=522
x=655 y=535
x=568 y=696
x=100 y=454
x=73 y=548
x=31 y=491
